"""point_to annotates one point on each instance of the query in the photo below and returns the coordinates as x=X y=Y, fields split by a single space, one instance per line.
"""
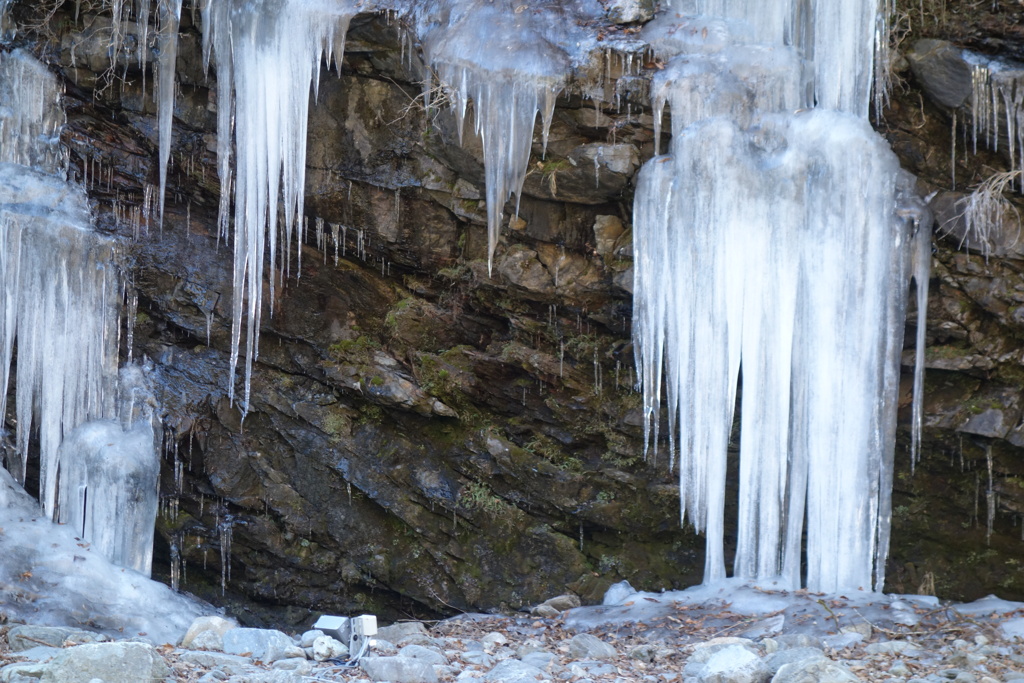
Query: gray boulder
x=118 y=662
x=515 y=671
x=814 y=671
x=796 y=655
x=396 y=633
x=427 y=654
x=326 y=647
x=942 y=71
x=398 y=669
x=232 y=665
x=630 y=11
x=217 y=626
x=734 y=664
x=265 y=645
x=586 y=646
x=26 y=637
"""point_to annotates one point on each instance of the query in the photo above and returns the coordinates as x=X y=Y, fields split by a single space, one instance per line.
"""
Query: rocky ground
x=704 y=635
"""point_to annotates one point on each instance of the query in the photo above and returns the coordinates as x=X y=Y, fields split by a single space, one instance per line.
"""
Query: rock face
x=423 y=437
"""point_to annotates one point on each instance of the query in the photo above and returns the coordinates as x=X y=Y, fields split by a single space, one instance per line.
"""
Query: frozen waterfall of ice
x=837 y=40
x=799 y=288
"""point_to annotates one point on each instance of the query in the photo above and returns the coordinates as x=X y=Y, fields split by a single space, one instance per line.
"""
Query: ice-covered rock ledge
x=724 y=633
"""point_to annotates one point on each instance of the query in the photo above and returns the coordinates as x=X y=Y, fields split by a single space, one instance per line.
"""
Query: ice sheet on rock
x=31 y=115
x=60 y=293
x=1013 y=628
x=671 y=33
x=988 y=605
x=50 y=577
x=493 y=54
x=802 y=612
x=267 y=54
x=803 y=285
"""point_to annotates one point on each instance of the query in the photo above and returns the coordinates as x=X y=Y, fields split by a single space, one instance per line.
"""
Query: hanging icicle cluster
x=59 y=279
x=769 y=256
x=267 y=55
x=491 y=54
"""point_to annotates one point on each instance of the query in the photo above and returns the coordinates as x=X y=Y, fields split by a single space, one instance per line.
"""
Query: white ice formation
x=50 y=576
x=997 y=106
x=61 y=290
x=61 y=294
x=31 y=116
x=109 y=477
x=493 y=55
x=837 y=40
x=772 y=264
x=60 y=279
x=267 y=55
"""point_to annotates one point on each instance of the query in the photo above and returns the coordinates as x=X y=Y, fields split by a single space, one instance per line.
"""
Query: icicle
x=133 y=309
x=990 y=498
x=175 y=566
x=170 y=18
x=225 y=531
x=561 y=357
x=912 y=208
x=494 y=55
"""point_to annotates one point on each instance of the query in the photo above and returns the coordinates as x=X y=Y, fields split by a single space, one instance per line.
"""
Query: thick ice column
x=109 y=476
x=267 y=54
x=799 y=288
x=490 y=53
